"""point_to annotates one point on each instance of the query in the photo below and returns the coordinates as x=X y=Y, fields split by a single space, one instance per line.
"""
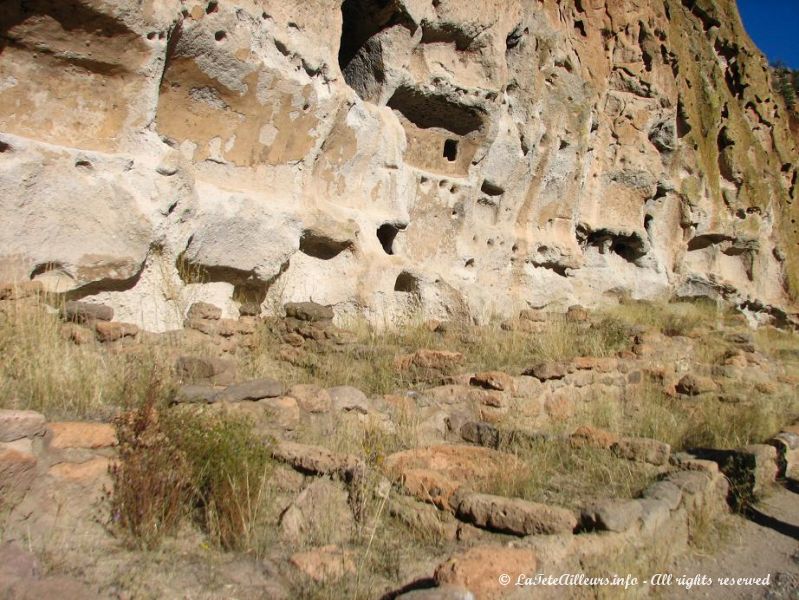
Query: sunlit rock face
x=392 y=157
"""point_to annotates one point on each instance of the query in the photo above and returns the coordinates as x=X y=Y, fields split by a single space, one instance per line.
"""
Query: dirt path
x=764 y=543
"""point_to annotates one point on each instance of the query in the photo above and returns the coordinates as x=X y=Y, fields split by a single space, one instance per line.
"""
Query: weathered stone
x=694 y=385
x=423 y=518
x=311 y=398
x=250 y=309
x=346 y=398
x=437 y=360
x=321 y=513
x=316 y=460
x=309 y=311
x=254 y=390
x=548 y=370
x=92 y=470
x=482 y=434
x=87 y=312
x=751 y=470
x=218 y=371
x=283 y=411
x=196 y=394
x=327 y=563
x=444 y=592
x=665 y=491
x=577 y=314
x=642 y=450
x=612 y=515
x=494 y=380
x=433 y=474
x=513 y=515
x=65 y=435
x=111 y=331
x=204 y=310
x=594 y=437
x=16 y=424
x=478 y=569
x=17 y=472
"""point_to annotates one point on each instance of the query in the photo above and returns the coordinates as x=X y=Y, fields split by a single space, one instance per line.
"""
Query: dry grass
x=42 y=370
x=555 y=472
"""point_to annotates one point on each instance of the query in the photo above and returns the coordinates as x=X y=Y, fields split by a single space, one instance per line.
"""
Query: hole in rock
x=220 y=36
x=406 y=283
x=212 y=7
x=427 y=110
x=451 y=150
x=491 y=189
x=361 y=19
x=322 y=247
x=387 y=233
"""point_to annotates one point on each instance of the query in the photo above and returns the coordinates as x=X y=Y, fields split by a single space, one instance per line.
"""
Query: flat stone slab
x=514 y=515
x=81 y=435
x=17 y=424
x=254 y=390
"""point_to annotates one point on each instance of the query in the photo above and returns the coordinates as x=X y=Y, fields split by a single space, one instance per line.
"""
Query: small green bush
x=176 y=464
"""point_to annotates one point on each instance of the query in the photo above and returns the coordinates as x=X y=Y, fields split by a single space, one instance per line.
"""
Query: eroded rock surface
x=381 y=157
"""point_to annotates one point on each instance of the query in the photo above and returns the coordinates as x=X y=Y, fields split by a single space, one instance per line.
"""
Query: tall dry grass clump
x=43 y=370
x=190 y=465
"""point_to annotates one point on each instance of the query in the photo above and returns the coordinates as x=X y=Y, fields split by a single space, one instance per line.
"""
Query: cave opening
x=361 y=19
x=387 y=233
x=451 y=150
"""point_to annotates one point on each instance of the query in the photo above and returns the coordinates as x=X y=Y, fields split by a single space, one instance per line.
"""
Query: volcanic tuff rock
x=381 y=156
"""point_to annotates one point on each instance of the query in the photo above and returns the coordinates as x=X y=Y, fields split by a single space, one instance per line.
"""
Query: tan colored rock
x=315 y=459
x=327 y=563
x=438 y=360
x=642 y=450
x=494 y=380
x=311 y=398
x=586 y=435
x=204 y=310
x=435 y=473
x=514 y=515
x=85 y=472
x=17 y=424
x=17 y=471
x=65 y=435
x=218 y=371
x=478 y=569
x=112 y=331
x=320 y=513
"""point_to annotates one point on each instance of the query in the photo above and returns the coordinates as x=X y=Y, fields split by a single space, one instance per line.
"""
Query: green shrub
x=176 y=464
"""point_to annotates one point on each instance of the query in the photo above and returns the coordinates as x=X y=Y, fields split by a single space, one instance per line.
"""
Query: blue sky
x=774 y=27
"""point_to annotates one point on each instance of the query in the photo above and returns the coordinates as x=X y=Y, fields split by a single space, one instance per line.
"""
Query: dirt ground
x=764 y=542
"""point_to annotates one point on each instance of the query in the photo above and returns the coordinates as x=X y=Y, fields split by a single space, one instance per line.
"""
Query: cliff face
x=465 y=158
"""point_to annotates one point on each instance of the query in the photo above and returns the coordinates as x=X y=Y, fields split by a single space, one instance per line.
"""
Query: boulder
x=111 y=331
